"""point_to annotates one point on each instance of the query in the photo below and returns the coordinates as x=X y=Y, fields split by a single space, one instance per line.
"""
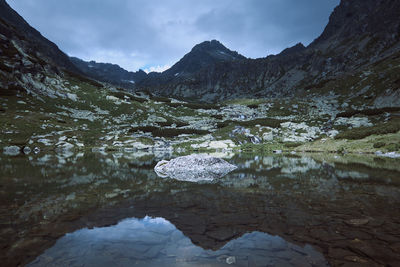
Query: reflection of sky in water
x=157 y=242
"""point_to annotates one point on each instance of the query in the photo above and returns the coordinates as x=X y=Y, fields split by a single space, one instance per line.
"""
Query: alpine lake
x=112 y=209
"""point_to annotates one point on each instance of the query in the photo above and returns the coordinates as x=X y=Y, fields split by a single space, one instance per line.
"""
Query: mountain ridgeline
x=359 y=33
x=362 y=36
x=109 y=73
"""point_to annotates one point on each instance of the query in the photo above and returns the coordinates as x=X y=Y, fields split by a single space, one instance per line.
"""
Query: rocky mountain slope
x=109 y=73
x=28 y=61
x=201 y=56
x=359 y=33
x=17 y=30
x=45 y=105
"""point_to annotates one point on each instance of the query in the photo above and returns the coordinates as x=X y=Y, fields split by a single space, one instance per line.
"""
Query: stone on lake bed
x=231 y=260
x=194 y=168
x=11 y=150
x=357 y=222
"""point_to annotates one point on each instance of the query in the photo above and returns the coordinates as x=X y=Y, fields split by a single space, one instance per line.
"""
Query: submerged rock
x=194 y=168
x=231 y=260
x=11 y=150
x=27 y=150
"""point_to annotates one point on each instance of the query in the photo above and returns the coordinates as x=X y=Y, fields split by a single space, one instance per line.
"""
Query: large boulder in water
x=194 y=168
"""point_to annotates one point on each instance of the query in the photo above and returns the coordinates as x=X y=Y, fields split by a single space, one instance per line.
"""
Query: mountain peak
x=209 y=45
x=202 y=55
x=216 y=49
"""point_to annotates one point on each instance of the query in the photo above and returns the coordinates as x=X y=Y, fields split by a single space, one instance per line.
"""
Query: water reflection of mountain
x=157 y=242
x=298 y=198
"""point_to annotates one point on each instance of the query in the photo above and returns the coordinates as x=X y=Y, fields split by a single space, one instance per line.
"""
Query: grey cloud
x=143 y=34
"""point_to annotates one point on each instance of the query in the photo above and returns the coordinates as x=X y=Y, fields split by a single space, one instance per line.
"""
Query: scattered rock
x=64 y=145
x=218 y=144
x=111 y=195
x=240 y=130
x=46 y=142
x=11 y=150
x=231 y=260
x=70 y=197
x=254 y=139
x=354 y=122
x=26 y=150
x=392 y=155
x=72 y=97
x=268 y=137
x=223 y=144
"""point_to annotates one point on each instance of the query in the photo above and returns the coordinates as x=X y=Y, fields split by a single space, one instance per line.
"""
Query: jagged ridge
x=109 y=73
x=358 y=34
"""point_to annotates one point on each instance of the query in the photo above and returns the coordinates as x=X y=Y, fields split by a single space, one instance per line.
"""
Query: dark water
x=97 y=209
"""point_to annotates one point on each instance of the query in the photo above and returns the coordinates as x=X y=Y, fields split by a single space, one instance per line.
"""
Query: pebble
x=231 y=260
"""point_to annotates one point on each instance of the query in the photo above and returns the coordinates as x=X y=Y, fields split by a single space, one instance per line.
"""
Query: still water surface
x=98 y=209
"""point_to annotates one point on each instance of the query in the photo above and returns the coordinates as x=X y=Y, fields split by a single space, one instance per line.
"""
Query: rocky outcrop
x=194 y=168
x=13 y=26
x=28 y=61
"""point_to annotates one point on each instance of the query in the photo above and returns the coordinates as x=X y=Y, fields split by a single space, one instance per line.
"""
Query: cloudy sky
x=154 y=34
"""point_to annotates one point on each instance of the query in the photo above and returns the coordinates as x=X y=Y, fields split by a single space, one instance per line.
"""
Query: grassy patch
x=146 y=141
x=393 y=147
x=291 y=145
x=145 y=129
x=167 y=132
x=83 y=79
x=365 y=145
x=170 y=122
x=161 y=99
x=217 y=116
x=368 y=112
x=379 y=144
x=125 y=95
x=300 y=131
x=392 y=126
x=172 y=132
x=254 y=106
x=273 y=123
x=165 y=124
x=194 y=105
x=246 y=102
